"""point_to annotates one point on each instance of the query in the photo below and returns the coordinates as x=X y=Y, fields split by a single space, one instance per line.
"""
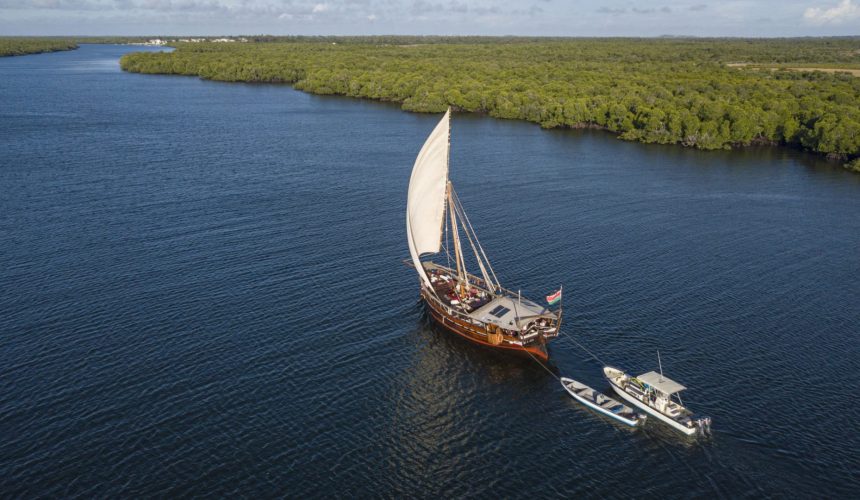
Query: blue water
x=202 y=293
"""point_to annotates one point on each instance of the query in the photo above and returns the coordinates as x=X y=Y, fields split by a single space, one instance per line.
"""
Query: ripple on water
x=203 y=293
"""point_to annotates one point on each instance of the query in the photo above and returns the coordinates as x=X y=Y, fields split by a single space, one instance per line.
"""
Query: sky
x=747 y=18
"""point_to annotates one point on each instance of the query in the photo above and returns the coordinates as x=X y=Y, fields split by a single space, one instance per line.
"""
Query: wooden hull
x=479 y=335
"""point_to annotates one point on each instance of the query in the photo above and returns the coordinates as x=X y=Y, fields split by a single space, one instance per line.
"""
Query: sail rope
x=489 y=284
x=467 y=226
x=472 y=230
x=458 y=212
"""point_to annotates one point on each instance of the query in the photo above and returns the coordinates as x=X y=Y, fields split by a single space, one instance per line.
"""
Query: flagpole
x=561 y=301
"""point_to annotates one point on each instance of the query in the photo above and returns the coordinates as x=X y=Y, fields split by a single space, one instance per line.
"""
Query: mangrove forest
x=19 y=46
x=702 y=93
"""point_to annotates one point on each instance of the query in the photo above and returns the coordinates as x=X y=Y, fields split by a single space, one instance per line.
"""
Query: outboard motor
x=704 y=425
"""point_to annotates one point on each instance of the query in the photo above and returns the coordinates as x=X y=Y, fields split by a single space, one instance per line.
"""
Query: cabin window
x=500 y=311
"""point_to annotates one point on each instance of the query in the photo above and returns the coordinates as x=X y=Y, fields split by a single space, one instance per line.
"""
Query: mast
x=661 y=365
x=458 y=250
x=461 y=264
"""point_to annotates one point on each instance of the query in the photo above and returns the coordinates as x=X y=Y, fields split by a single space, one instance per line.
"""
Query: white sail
x=425 y=206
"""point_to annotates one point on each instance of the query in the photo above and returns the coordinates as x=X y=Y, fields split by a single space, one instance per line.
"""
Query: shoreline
x=842 y=160
x=650 y=91
x=38 y=51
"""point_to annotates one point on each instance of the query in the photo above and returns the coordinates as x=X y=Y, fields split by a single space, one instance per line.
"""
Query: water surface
x=202 y=293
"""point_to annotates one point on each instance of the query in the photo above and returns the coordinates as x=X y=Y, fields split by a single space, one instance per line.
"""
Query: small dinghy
x=602 y=403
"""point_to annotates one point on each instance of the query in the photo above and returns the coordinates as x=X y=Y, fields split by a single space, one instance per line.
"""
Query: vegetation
x=24 y=45
x=651 y=90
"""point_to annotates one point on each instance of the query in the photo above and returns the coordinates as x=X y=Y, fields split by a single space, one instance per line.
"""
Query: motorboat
x=658 y=395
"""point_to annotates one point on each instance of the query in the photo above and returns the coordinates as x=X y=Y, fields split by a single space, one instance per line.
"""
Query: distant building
x=159 y=41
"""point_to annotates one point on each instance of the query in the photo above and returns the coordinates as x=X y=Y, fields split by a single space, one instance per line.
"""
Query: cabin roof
x=504 y=311
x=661 y=383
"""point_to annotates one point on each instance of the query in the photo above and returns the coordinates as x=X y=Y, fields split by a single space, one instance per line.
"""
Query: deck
x=517 y=317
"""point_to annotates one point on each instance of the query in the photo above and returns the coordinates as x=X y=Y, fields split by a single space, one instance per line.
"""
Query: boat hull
x=651 y=411
x=479 y=336
x=619 y=418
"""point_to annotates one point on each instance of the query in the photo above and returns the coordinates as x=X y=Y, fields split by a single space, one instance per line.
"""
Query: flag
x=554 y=298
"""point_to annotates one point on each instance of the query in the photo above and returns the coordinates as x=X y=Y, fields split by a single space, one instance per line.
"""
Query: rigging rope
x=584 y=349
x=594 y=356
x=489 y=284
x=575 y=342
x=468 y=224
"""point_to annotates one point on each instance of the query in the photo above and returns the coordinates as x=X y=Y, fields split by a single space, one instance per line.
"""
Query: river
x=203 y=294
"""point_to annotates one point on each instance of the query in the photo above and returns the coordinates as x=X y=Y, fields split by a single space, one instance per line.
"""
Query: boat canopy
x=508 y=312
x=425 y=206
x=661 y=383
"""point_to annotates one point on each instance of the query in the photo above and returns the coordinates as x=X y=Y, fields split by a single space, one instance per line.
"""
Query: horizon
x=505 y=18
x=401 y=35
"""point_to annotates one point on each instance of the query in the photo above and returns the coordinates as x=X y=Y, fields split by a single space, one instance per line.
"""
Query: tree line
x=20 y=46
x=650 y=90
